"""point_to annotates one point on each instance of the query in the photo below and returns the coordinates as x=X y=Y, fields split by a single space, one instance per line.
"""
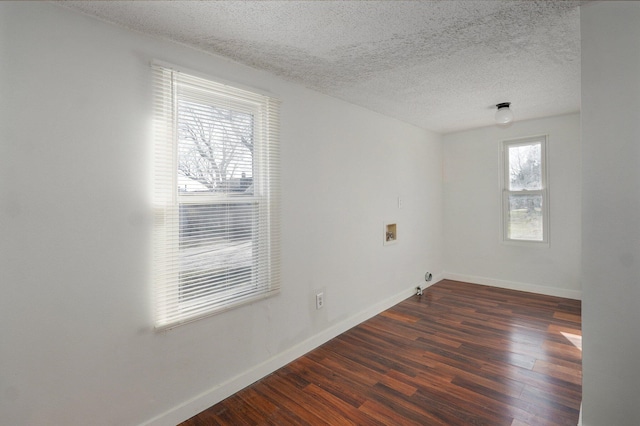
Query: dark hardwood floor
x=460 y=354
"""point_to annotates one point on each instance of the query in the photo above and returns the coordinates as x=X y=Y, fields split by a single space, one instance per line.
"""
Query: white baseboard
x=513 y=285
x=219 y=392
x=580 y=416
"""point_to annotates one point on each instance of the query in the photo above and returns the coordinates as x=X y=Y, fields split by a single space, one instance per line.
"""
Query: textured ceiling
x=441 y=65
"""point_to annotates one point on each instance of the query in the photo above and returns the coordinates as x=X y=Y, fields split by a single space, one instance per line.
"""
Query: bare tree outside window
x=525 y=167
x=215 y=148
x=215 y=155
x=524 y=191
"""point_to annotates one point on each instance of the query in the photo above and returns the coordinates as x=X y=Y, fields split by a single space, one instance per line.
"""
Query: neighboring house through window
x=525 y=198
x=216 y=197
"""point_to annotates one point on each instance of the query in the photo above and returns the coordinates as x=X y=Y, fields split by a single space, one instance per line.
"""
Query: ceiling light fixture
x=504 y=115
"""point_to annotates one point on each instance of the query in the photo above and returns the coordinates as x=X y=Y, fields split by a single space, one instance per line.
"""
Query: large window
x=216 y=192
x=525 y=201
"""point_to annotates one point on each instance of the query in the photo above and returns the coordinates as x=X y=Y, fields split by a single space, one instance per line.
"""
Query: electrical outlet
x=319 y=300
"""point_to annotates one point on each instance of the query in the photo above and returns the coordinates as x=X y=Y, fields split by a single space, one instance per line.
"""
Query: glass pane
x=216 y=248
x=525 y=218
x=215 y=149
x=525 y=167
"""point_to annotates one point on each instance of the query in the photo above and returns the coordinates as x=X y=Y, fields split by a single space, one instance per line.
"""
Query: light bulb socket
x=503 y=105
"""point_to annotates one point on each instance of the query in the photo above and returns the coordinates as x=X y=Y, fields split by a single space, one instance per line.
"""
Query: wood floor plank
x=460 y=354
x=399 y=316
x=345 y=367
x=388 y=416
x=346 y=411
x=570 y=349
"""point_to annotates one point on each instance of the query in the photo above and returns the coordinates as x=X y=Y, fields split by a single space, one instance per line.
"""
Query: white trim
x=219 y=392
x=514 y=285
x=580 y=416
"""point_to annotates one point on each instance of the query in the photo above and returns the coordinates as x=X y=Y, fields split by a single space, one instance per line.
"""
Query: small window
x=525 y=200
x=216 y=192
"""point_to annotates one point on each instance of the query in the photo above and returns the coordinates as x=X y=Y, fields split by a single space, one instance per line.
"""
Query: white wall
x=472 y=203
x=611 y=213
x=76 y=342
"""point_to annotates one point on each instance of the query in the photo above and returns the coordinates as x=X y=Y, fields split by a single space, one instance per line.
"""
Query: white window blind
x=216 y=197
x=525 y=197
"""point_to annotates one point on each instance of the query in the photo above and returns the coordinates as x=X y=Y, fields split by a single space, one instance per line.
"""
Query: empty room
x=320 y=212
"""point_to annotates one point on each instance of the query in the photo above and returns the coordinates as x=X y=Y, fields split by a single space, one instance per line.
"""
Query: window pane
x=216 y=248
x=215 y=149
x=525 y=167
x=525 y=217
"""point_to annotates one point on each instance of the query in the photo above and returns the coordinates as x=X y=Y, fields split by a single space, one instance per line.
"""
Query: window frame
x=172 y=308
x=506 y=192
